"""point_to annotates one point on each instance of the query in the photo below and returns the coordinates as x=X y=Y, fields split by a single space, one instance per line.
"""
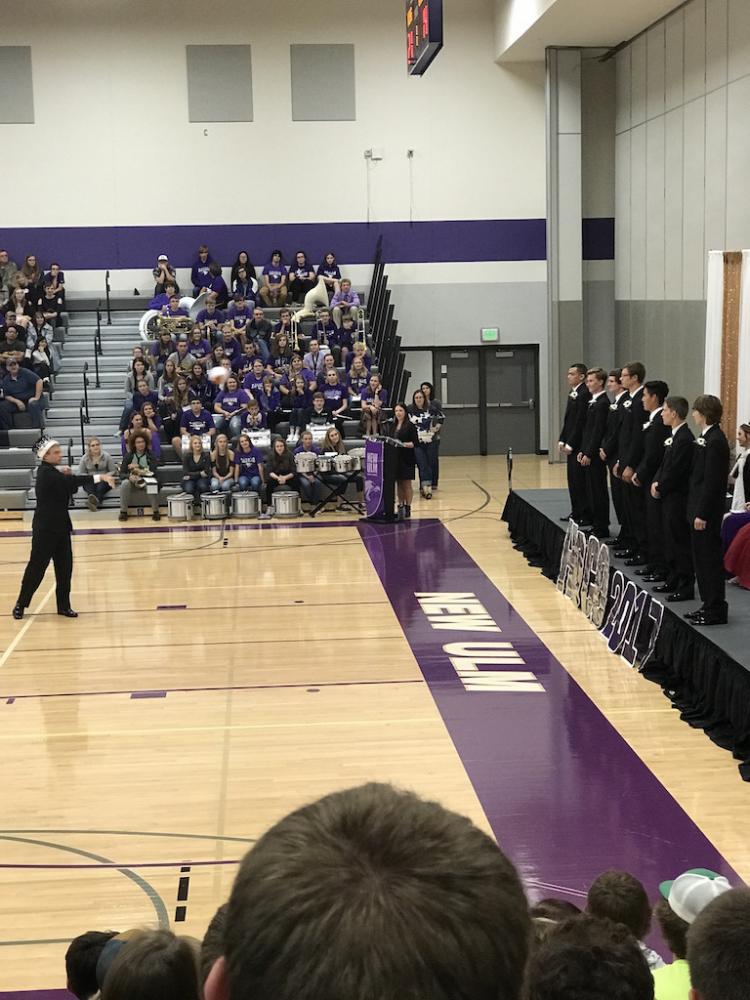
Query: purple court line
x=207 y=526
x=199 y=690
x=565 y=795
x=36 y=995
x=118 y=867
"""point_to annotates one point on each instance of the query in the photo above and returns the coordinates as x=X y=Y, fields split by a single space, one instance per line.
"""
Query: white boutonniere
x=668 y=442
x=701 y=442
x=627 y=404
x=647 y=425
x=574 y=394
x=613 y=406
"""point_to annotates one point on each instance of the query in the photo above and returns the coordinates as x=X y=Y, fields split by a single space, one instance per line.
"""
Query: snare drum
x=214 y=506
x=324 y=463
x=286 y=503
x=305 y=462
x=343 y=463
x=246 y=504
x=180 y=507
x=357 y=455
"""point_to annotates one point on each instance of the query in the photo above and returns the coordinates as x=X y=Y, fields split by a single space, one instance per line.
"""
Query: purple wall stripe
x=115 y=247
x=37 y=995
x=565 y=795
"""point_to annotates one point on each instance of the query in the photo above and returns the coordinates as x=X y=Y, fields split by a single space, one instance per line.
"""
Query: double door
x=489 y=395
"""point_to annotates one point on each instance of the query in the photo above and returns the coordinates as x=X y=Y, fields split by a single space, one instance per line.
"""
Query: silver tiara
x=43 y=445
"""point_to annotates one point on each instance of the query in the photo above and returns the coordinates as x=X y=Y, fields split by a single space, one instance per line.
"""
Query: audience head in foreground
x=373 y=894
x=587 y=958
x=154 y=965
x=718 y=948
x=80 y=962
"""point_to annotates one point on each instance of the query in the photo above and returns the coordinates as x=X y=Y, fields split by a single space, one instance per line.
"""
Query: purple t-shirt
x=358 y=382
x=333 y=394
x=313 y=449
x=217 y=316
x=339 y=337
x=232 y=348
x=254 y=383
x=274 y=272
x=192 y=423
x=329 y=271
x=367 y=394
x=248 y=461
x=232 y=400
x=199 y=349
x=240 y=317
x=303 y=401
x=257 y=423
x=269 y=403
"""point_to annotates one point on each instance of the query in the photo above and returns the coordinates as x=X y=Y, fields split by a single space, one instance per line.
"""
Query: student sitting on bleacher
x=282 y=325
x=259 y=330
x=240 y=312
x=309 y=485
x=269 y=399
x=164 y=275
x=194 y=420
x=93 y=462
x=21 y=305
x=344 y=303
x=182 y=356
x=210 y=317
x=229 y=406
x=243 y=263
x=254 y=419
x=281 y=354
x=243 y=284
x=144 y=393
x=360 y=351
x=172 y=407
x=199 y=273
x=313 y=359
x=160 y=350
x=334 y=442
x=358 y=378
x=374 y=398
x=336 y=399
x=199 y=346
x=301 y=277
x=201 y=387
x=39 y=327
x=329 y=365
x=44 y=360
x=248 y=465
x=12 y=347
x=55 y=279
x=161 y=299
x=136 y=425
x=7 y=269
x=281 y=473
x=330 y=273
x=222 y=465
x=137 y=464
x=218 y=286
x=196 y=469
x=274 y=291
x=296 y=369
x=300 y=397
x=230 y=343
x=20 y=392
x=165 y=385
x=152 y=423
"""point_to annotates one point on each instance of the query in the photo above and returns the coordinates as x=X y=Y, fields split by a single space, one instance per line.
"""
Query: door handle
x=527 y=404
x=458 y=406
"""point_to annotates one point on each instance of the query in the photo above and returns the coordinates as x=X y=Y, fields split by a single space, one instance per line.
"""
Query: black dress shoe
x=68 y=613
x=693 y=614
x=709 y=619
x=635 y=561
x=623 y=553
x=18 y=612
x=654 y=578
x=644 y=571
x=567 y=517
x=663 y=588
x=677 y=597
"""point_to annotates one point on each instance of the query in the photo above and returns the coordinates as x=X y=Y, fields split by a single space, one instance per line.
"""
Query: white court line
x=25 y=627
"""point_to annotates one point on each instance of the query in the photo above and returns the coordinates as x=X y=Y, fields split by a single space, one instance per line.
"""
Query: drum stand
x=339 y=491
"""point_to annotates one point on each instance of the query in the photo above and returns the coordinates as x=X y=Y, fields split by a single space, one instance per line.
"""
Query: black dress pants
x=635 y=512
x=597 y=497
x=708 y=559
x=677 y=544
x=46 y=546
x=579 y=506
x=656 y=553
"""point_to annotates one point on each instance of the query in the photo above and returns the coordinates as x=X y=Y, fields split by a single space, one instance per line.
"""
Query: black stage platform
x=704 y=672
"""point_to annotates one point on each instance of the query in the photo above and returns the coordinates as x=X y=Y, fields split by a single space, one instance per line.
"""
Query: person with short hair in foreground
x=718 y=949
x=373 y=894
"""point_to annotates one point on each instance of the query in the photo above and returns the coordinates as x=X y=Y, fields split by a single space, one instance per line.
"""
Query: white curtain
x=714 y=319
x=743 y=375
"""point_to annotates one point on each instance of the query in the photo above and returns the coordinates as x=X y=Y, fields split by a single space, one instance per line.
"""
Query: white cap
x=691 y=892
x=162 y=256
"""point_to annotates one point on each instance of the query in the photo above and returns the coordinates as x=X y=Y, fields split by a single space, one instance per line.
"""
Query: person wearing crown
x=52 y=527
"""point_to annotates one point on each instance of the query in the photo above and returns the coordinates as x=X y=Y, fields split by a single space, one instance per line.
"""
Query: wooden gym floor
x=209 y=688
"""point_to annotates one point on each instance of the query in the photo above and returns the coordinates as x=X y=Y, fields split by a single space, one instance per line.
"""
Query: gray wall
x=682 y=164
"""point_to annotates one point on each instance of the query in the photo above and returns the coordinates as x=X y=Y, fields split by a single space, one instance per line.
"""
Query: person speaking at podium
x=51 y=527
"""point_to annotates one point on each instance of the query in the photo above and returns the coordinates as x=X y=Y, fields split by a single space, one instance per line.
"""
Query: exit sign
x=490 y=335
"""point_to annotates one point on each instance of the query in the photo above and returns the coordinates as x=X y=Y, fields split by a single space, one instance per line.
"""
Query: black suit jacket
x=673 y=476
x=654 y=437
x=594 y=427
x=708 y=476
x=612 y=433
x=53 y=492
x=633 y=421
x=575 y=417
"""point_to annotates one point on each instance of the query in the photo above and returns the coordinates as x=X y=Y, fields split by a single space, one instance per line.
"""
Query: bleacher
x=87 y=395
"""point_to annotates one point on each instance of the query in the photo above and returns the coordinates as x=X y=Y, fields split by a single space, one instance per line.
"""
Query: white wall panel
x=622 y=105
x=622 y=215
x=673 y=167
x=693 y=220
x=638 y=80
x=739 y=38
x=738 y=165
x=655 y=209
x=716 y=44
x=695 y=50
x=655 y=70
x=569 y=262
x=716 y=170
x=638 y=213
x=674 y=35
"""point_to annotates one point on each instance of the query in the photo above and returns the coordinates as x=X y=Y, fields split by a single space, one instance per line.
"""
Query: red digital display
x=424 y=33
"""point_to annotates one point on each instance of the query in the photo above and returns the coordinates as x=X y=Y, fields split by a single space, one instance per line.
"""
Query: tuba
x=169 y=324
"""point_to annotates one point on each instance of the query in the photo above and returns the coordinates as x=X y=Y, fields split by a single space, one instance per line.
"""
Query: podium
x=381 y=460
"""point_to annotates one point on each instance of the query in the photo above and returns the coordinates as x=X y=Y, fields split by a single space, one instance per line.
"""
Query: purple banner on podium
x=374 y=496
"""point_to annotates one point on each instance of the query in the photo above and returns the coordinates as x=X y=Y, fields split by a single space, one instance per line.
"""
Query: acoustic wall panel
x=16 y=85
x=695 y=50
x=655 y=209
x=638 y=213
x=655 y=68
x=673 y=180
x=739 y=39
x=674 y=28
x=716 y=44
x=716 y=170
x=622 y=215
x=323 y=83
x=638 y=81
x=693 y=213
x=219 y=83
x=622 y=88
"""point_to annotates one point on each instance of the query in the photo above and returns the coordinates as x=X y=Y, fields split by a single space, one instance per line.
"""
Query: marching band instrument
x=180 y=507
x=214 y=506
x=357 y=455
x=304 y=462
x=286 y=503
x=324 y=463
x=343 y=463
x=246 y=504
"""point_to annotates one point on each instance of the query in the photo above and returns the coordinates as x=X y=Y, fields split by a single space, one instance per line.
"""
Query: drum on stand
x=324 y=463
x=214 y=506
x=357 y=455
x=305 y=462
x=246 y=504
x=286 y=503
x=343 y=463
x=180 y=507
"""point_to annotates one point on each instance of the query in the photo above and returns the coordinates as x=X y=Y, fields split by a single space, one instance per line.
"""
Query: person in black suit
x=570 y=443
x=670 y=490
x=589 y=459
x=655 y=433
x=706 y=498
x=630 y=452
x=608 y=450
x=51 y=527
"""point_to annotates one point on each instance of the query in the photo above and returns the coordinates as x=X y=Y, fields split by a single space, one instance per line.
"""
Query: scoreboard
x=424 y=33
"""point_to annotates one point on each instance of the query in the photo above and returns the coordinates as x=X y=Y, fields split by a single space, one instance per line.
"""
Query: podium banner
x=374 y=469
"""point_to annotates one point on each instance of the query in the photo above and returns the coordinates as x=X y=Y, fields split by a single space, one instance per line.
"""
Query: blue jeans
x=235 y=424
x=426 y=455
x=126 y=411
x=195 y=487
x=223 y=486
x=250 y=483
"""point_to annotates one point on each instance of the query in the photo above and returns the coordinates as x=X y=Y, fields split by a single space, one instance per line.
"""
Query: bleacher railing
x=107 y=290
x=85 y=400
x=82 y=420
